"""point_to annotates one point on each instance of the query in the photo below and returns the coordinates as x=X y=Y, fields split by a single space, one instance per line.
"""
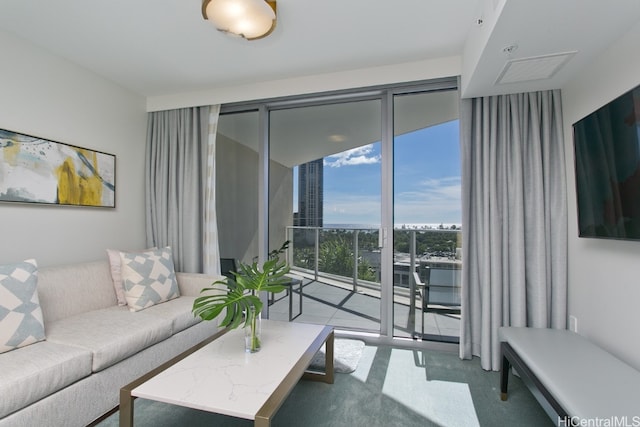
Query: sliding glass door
x=366 y=187
x=324 y=196
x=237 y=186
x=427 y=216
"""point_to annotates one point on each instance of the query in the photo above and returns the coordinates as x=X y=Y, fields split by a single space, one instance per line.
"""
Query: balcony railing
x=351 y=257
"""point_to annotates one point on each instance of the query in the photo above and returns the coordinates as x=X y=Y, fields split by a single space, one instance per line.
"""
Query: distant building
x=310 y=194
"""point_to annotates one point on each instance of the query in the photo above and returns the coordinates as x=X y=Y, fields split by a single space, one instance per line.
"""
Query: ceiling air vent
x=533 y=68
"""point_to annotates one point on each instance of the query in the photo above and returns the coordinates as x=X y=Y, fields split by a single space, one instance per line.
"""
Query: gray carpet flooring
x=390 y=387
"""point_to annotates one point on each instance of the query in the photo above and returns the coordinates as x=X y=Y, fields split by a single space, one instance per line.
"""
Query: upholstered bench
x=570 y=375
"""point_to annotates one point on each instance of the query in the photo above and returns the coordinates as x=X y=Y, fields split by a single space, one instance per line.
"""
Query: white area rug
x=346 y=355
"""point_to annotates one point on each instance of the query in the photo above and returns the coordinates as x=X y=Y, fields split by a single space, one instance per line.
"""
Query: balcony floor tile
x=337 y=305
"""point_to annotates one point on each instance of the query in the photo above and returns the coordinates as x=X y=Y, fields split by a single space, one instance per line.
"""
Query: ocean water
x=421 y=226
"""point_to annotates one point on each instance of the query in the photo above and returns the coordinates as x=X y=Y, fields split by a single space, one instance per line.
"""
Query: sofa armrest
x=190 y=284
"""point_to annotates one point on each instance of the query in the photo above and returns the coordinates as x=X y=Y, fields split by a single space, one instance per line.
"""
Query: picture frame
x=42 y=171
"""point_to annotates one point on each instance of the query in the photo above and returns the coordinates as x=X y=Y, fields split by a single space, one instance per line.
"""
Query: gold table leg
x=327 y=376
x=126 y=408
x=264 y=415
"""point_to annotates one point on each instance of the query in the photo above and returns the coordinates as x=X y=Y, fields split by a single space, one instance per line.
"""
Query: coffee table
x=218 y=376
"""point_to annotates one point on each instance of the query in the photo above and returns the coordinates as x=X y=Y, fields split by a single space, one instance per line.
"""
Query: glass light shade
x=250 y=19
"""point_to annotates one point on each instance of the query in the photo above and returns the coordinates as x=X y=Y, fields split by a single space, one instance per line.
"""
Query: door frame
x=385 y=94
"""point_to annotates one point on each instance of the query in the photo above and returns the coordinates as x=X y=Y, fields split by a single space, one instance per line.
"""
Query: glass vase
x=252 y=331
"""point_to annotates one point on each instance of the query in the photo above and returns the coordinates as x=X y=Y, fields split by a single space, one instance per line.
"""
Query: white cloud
x=448 y=187
x=351 y=209
x=434 y=201
x=355 y=156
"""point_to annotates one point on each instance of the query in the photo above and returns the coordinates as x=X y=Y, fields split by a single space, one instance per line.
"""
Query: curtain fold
x=176 y=171
x=514 y=219
x=210 y=242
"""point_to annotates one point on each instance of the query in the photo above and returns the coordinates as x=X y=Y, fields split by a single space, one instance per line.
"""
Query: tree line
x=336 y=248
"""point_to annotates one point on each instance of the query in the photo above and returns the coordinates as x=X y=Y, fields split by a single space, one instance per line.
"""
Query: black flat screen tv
x=607 y=161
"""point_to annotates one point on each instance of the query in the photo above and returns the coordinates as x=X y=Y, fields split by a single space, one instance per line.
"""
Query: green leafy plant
x=242 y=292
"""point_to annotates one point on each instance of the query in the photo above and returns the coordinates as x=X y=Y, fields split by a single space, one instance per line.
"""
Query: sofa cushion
x=69 y=290
x=111 y=334
x=149 y=278
x=178 y=311
x=33 y=372
x=21 y=321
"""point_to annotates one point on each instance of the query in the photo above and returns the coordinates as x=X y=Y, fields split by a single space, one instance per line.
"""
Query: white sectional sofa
x=92 y=346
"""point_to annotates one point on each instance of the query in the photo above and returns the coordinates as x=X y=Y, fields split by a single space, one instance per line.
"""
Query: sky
x=426 y=180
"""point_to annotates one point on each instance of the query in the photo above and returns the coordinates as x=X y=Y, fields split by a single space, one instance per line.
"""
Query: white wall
x=45 y=96
x=237 y=200
x=364 y=77
x=604 y=275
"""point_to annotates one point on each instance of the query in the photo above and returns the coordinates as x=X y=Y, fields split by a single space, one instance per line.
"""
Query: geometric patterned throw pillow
x=21 y=321
x=116 y=274
x=149 y=278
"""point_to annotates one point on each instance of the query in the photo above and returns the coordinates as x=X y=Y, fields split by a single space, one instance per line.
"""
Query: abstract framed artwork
x=37 y=170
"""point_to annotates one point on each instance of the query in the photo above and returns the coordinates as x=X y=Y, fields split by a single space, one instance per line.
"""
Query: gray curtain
x=211 y=263
x=176 y=172
x=514 y=219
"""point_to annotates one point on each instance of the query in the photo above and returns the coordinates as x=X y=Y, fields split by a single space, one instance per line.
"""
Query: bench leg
x=511 y=359
x=504 y=377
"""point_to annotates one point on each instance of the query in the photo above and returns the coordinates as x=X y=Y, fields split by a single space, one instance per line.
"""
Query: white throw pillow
x=149 y=278
x=116 y=273
x=21 y=321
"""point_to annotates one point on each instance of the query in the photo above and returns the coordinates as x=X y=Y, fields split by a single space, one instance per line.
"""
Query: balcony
x=340 y=273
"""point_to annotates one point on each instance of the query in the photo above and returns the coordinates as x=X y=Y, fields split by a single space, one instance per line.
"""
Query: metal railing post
x=289 y=237
x=317 y=249
x=412 y=282
x=355 y=260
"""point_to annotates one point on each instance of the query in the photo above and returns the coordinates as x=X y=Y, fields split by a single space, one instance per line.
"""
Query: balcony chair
x=228 y=265
x=430 y=304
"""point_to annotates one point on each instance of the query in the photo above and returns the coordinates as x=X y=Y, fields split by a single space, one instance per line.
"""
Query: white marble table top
x=222 y=378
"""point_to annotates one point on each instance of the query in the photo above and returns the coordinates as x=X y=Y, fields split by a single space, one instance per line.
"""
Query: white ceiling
x=541 y=28
x=156 y=47
x=160 y=47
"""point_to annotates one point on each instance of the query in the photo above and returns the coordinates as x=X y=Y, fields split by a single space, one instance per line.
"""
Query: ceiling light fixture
x=337 y=137
x=249 y=19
